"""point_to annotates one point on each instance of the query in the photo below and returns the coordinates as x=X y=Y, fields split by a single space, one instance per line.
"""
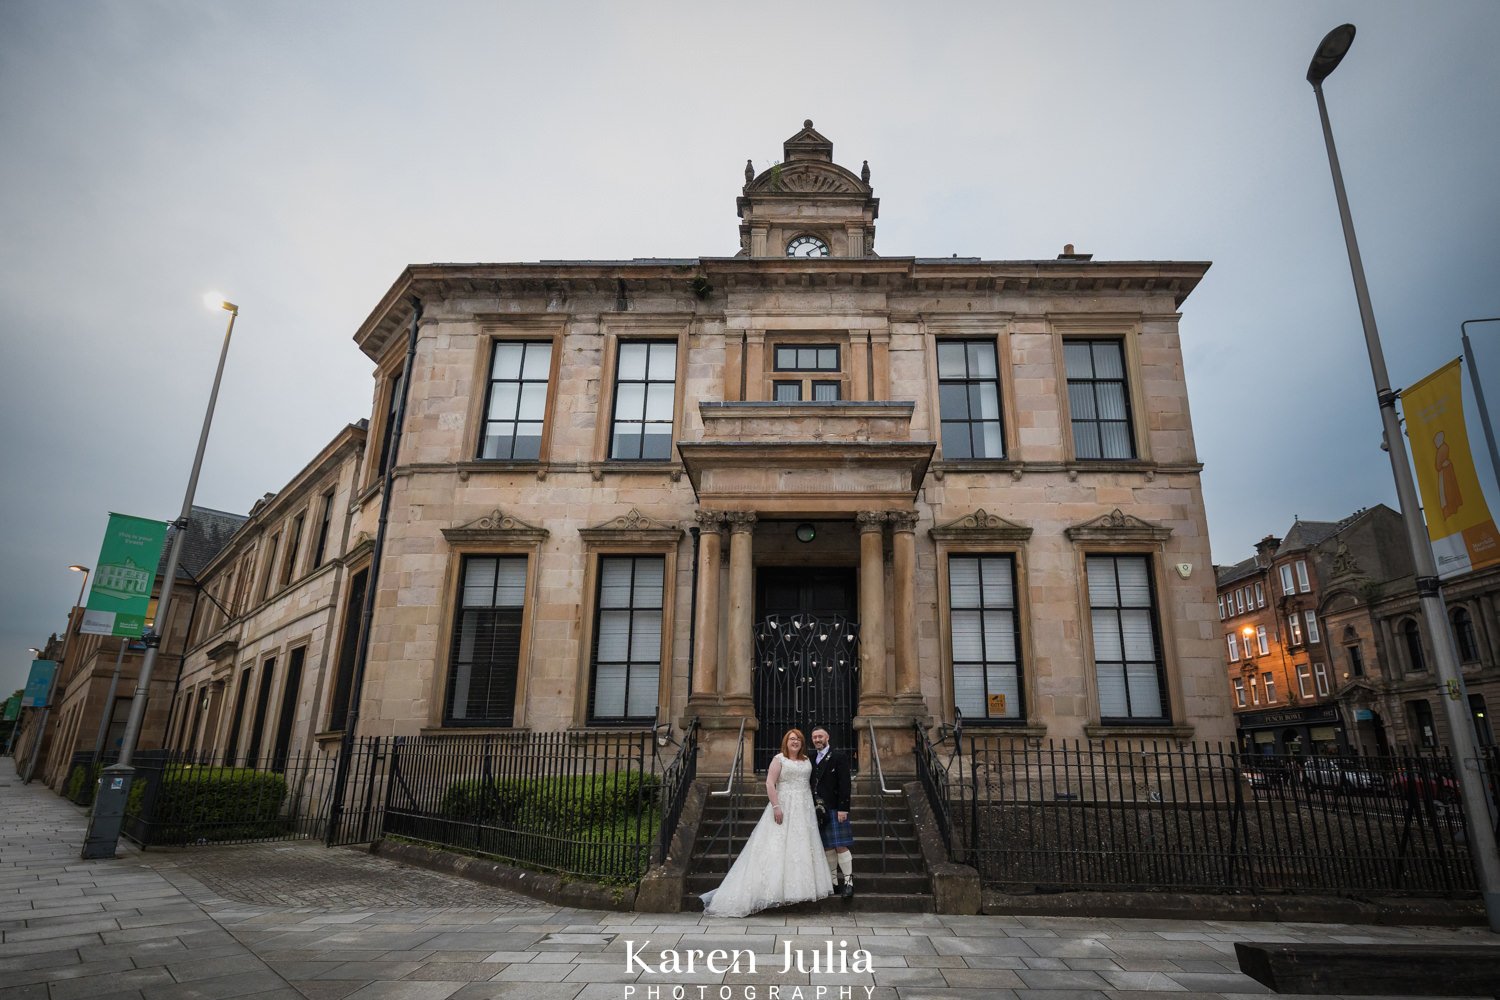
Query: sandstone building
x=806 y=483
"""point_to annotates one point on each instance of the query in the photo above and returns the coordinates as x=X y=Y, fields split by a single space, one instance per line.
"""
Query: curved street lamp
x=1451 y=690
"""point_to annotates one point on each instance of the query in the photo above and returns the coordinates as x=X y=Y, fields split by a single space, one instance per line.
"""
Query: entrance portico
x=755 y=481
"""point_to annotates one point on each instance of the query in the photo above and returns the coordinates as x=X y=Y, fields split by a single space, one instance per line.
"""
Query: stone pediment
x=632 y=526
x=1117 y=526
x=807 y=177
x=980 y=526
x=496 y=526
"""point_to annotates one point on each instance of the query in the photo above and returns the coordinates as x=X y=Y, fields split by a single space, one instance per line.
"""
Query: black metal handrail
x=734 y=792
x=933 y=774
x=890 y=842
x=676 y=781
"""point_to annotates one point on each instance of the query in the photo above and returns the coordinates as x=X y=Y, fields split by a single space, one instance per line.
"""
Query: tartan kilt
x=835 y=833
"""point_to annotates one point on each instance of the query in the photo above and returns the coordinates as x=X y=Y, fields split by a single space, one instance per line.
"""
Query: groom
x=830 y=784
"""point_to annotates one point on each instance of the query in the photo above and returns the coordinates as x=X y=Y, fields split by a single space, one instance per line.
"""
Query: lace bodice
x=794 y=774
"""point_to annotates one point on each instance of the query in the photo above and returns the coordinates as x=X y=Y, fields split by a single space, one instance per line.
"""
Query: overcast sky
x=297 y=156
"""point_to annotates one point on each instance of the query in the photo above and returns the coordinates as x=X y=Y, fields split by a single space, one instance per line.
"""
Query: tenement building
x=803 y=484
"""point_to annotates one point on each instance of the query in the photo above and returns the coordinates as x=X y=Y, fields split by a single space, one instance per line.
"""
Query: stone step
x=718 y=863
x=889 y=883
x=863 y=902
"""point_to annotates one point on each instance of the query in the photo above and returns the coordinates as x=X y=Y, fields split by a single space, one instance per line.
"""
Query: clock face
x=807 y=246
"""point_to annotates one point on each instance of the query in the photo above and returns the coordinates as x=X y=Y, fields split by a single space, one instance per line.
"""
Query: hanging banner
x=12 y=708
x=38 y=684
x=1458 y=522
x=121 y=592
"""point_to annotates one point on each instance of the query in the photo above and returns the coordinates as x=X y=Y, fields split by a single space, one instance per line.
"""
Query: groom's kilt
x=836 y=833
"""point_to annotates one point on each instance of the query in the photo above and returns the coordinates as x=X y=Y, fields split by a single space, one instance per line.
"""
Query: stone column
x=874 y=691
x=741 y=626
x=904 y=609
x=706 y=640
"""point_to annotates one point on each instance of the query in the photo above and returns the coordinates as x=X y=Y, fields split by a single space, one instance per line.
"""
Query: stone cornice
x=496 y=526
x=1117 y=527
x=980 y=526
x=632 y=527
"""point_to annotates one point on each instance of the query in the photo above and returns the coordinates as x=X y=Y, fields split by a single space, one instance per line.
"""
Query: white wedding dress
x=782 y=862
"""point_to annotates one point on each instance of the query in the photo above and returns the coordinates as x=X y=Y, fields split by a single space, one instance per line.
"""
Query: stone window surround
x=1117 y=534
x=630 y=534
x=614 y=329
x=386 y=373
x=748 y=360
x=517 y=328
x=983 y=533
x=494 y=534
x=995 y=327
x=1126 y=328
x=840 y=340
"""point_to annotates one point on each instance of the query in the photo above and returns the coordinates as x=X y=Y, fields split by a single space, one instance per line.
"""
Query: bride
x=783 y=860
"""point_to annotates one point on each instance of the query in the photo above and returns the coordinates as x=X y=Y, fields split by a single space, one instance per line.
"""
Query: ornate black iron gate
x=806 y=675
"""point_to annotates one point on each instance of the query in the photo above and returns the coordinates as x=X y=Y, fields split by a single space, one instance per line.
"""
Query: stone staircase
x=889 y=873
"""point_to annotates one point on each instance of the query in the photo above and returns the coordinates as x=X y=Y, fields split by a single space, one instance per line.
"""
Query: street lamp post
x=1484 y=413
x=114 y=784
x=1451 y=690
x=62 y=658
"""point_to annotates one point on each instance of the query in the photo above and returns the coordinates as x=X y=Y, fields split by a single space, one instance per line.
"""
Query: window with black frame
x=969 y=399
x=1098 y=399
x=486 y=649
x=1128 y=663
x=797 y=369
x=627 y=640
x=516 y=406
x=985 y=638
x=645 y=396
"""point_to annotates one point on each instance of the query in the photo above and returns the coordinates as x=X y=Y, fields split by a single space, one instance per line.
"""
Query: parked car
x=1272 y=772
x=1425 y=784
x=1342 y=775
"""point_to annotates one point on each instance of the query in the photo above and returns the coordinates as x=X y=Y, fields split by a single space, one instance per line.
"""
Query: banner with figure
x=1458 y=521
x=38 y=684
x=121 y=592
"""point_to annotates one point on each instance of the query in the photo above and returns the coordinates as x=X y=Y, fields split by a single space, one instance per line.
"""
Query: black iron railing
x=1148 y=815
x=676 y=780
x=577 y=803
x=179 y=800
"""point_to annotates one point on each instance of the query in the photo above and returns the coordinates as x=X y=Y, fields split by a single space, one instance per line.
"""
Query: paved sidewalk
x=294 y=921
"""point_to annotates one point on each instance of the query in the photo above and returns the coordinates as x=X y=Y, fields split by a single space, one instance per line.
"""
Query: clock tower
x=807 y=205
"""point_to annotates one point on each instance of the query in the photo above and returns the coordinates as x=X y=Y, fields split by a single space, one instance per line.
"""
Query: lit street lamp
x=114 y=784
x=41 y=729
x=1451 y=691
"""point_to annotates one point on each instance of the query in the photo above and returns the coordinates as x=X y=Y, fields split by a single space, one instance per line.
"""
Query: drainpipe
x=692 y=617
x=372 y=586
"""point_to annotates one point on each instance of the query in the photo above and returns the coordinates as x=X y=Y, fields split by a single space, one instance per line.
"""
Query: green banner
x=39 y=684
x=12 y=708
x=121 y=593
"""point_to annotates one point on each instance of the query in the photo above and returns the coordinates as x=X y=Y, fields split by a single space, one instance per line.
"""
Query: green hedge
x=83 y=781
x=598 y=827
x=193 y=804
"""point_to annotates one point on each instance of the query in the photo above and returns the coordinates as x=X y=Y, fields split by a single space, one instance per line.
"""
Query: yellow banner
x=1458 y=522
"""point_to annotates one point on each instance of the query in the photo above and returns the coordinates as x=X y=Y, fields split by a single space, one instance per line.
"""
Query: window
x=1239 y=602
x=486 y=650
x=1260 y=596
x=321 y=550
x=1234 y=648
x=969 y=399
x=262 y=705
x=1260 y=640
x=1097 y=399
x=1239 y=692
x=986 y=638
x=288 y=711
x=1270 y=683
x=293 y=544
x=1128 y=663
x=627 y=639
x=1312 y=626
x=1302 y=576
x=1294 y=628
x=1419 y=717
x=645 y=386
x=517 y=405
x=343 y=680
x=388 y=432
x=232 y=744
x=1254 y=691
x=1287 y=586
x=1356 y=661
x=1412 y=635
x=1221 y=609
x=809 y=360
x=1304 y=681
x=1320 y=675
x=270 y=570
x=1464 y=637
x=1484 y=735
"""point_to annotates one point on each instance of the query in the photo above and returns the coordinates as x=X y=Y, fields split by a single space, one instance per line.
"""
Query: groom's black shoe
x=847 y=889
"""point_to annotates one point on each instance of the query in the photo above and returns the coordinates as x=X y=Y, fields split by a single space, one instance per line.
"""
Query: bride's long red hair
x=801 y=751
